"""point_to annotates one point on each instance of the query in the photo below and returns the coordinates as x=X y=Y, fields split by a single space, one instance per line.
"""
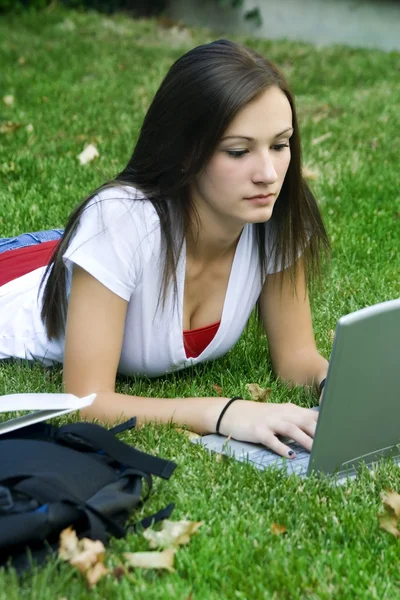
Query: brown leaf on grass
x=21 y=60
x=85 y=554
x=390 y=518
x=192 y=435
x=90 y=553
x=95 y=573
x=173 y=533
x=118 y=572
x=389 y=524
x=321 y=138
x=10 y=127
x=68 y=544
x=332 y=335
x=258 y=393
x=278 y=529
x=392 y=500
x=217 y=388
x=151 y=560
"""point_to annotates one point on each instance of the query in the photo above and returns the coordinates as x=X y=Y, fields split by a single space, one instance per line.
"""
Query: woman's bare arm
x=94 y=334
x=287 y=321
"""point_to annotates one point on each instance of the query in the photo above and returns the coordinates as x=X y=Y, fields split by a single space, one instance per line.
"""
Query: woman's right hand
x=261 y=423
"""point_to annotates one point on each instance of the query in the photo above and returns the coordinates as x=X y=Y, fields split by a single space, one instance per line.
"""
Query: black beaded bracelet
x=223 y=411
x=321 y=386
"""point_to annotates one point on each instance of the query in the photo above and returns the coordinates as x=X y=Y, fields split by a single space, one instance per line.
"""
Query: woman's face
x=242 y=181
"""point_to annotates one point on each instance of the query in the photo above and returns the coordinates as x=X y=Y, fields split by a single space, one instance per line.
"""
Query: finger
x=303 y=413
x=272 y=442
x=309 y=427
x=294 y=432
x=312 y=414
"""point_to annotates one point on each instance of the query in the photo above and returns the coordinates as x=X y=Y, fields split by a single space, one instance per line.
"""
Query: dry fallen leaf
x=152 y=560
x=88 y=154
x=119 y=572
x=173 y=533
x=9 y=127
x=258 y=393
x=389 y=524
x=192 y=435
x=95 y=573
x=90 y=553
x=21 y=60
x=321 y=138
x=8 y=100
x=278 y=529
x=332 y=335
x=217 y=388
x=68 y=544
x=390 y=518
x=85 y=554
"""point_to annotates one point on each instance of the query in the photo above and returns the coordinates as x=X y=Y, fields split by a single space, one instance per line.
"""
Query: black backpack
x=80 y=475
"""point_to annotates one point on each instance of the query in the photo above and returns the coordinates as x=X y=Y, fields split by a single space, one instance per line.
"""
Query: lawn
x=85 y=78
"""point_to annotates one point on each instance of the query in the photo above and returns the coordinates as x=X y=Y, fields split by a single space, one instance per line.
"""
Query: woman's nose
x=265 y=171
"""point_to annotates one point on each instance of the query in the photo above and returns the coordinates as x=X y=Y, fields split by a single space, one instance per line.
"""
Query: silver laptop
x=359 y=419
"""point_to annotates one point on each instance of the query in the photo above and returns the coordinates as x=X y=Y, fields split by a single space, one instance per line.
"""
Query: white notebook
x=40 y=407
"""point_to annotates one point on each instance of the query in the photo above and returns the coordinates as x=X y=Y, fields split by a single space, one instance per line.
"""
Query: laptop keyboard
x=264 y=459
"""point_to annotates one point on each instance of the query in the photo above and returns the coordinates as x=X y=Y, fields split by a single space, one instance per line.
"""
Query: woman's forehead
x=268 y=115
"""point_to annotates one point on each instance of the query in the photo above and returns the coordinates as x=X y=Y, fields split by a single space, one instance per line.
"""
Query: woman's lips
x=262 y=200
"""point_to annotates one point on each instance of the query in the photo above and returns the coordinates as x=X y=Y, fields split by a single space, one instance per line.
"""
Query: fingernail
x=291 y=452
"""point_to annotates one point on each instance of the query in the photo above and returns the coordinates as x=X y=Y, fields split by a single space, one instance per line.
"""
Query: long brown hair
x=198 y=98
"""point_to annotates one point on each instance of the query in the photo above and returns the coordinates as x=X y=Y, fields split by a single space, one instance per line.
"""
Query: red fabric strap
x=196 y=340
x=15 y=263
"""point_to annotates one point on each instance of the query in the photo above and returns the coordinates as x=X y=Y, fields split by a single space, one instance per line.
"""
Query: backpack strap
x=131 y=424
x=99 y=438
x=164 y=513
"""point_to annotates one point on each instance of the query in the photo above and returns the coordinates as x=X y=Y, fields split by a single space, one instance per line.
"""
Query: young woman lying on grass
x=161 y=268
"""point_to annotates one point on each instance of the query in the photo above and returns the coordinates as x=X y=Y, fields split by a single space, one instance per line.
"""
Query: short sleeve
x=108 y=240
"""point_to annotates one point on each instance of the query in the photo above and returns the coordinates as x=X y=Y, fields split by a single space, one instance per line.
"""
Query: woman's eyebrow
x=250 y=139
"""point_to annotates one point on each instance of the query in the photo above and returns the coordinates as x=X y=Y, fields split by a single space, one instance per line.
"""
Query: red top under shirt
x=15 y=263
x=197 y=340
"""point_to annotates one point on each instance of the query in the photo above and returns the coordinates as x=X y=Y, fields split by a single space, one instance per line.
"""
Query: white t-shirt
x=118 y=241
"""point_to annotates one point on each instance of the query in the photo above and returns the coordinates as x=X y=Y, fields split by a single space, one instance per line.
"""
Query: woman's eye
x=236 y=153
x=279 y=147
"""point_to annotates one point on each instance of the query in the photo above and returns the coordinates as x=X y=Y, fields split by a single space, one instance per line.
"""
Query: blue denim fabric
x=29 y=239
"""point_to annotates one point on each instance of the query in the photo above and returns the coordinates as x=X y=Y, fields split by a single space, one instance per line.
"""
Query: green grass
x=89 y=78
